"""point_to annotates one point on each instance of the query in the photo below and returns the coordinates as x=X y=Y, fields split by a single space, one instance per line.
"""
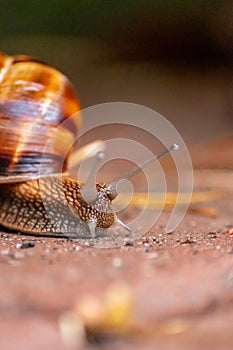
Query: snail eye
x=112 y=193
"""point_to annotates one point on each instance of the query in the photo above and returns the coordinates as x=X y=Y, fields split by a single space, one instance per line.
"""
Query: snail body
x=34 y=196
x=24 y=208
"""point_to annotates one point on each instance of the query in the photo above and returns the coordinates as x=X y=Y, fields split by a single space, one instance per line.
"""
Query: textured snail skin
x=34 y=100
x=54 y=206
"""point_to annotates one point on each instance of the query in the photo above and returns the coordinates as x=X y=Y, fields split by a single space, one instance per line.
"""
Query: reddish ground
x=184 y=279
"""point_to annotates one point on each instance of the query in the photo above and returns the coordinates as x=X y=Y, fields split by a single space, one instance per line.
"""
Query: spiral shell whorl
x=34 y=99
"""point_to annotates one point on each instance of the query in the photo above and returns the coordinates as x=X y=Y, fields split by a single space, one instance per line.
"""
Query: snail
x=35 y=198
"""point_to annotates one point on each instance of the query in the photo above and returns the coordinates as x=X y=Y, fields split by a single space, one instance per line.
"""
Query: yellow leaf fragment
x=204 y=211
x=230 y=231
x=168 y=200
x=112 y=314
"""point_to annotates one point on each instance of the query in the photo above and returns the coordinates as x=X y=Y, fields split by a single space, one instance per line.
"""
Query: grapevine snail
x=34 y=99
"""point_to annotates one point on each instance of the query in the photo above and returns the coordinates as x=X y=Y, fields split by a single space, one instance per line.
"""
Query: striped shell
x=34 y=99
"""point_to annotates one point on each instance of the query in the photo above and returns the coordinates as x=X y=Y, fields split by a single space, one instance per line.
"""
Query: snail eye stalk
x=138 y=168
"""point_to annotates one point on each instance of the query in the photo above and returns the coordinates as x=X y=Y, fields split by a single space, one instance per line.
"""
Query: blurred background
x=173 y=56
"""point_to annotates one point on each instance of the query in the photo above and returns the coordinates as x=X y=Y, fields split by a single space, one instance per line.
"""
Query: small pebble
x=212 y=235
x=116 y=262
x=17 y=255
x=129 y=244
x=152 y=255
x=5 y=251
x=25 y=245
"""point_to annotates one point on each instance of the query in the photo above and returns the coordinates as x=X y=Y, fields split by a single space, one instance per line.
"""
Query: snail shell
x=34 y=99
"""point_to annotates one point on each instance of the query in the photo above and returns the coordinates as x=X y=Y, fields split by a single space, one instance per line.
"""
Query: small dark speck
x=212 y=235
x=146 y=242
x=188 y=241
x=129 y=244
x=27 y=245
x=170 y=232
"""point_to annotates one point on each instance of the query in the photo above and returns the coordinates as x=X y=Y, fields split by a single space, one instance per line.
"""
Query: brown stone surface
x=186 y=276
